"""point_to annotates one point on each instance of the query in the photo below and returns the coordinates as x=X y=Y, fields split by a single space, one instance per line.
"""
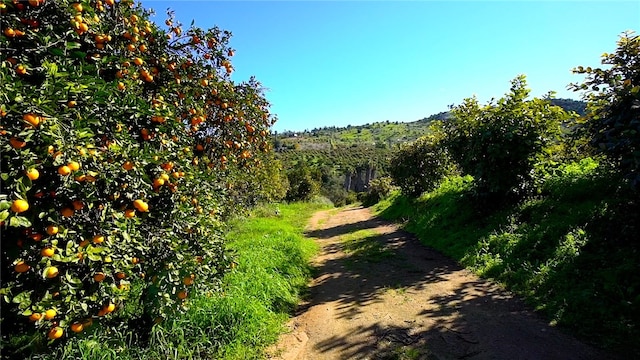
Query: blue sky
x=341 y=63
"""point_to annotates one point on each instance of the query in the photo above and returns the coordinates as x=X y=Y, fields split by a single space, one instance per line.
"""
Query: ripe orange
x=52 y=230
x=182 y=295
x=158 y=119
x=121 y=275
x=21 y=267
x=98 y=239
x=84 y=243
x=17 y=143
x=121 y=86
x=33 y=174
x=77 y=327
x=129 y=213
x=135 y=260
x=77 y=7
x=32 y=119
x=21 y=70
x=187 y=281
x=64 y=170
x=67 y=212
x=50 y=314
x=99 y=277
x=158 y=182
x=109 y=308
x=35 y=316
x=140 y=205
x=9 y=32
x=47 y=252
x=55 y=333
x=78 y=205
x=74 y=166
x=138 y=61
x=19 y=206
x=128 y=165
x=52 y=272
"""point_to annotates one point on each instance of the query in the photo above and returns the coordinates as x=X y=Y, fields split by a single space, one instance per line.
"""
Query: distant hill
x=385 y=134
x=580 y=107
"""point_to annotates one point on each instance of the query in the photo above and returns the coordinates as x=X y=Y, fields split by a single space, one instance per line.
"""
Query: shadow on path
x=415 y=303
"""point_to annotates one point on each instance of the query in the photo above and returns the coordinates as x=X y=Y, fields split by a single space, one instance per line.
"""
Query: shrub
x=498 y=144
x=302 y=185
x=120 y=144
x=421 y=165
x=379 y=189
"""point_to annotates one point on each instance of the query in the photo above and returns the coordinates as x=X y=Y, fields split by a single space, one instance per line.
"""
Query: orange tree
x=119 y=142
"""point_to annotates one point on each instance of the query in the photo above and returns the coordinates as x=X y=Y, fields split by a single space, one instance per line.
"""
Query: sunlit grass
x=364 y=246
x=570 y=250
x=272 y=271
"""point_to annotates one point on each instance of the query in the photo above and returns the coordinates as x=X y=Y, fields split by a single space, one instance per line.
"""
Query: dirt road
x=379 y=294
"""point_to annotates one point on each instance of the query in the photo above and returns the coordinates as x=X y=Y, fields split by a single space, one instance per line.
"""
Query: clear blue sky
x=349 y=63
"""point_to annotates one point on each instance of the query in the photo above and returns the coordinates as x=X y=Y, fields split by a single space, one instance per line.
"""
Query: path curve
x=406 y=301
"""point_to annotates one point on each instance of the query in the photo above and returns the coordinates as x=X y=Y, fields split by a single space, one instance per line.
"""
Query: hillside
x=386 y=134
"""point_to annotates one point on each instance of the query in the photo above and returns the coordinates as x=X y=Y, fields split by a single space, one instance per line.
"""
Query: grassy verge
x=571 y=251
x=272 y=270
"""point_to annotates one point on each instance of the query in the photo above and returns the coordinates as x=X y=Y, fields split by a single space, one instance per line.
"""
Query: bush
x=379 y=189
x=302 y=185
x=420 y=166
x=121 y=143
x=499 y=144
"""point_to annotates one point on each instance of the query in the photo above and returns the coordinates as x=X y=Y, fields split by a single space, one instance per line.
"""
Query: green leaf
x=19 y=221
x=73 y=45
x=56 y=52
x=79 y=54
x=4 y=214
x=24 y=299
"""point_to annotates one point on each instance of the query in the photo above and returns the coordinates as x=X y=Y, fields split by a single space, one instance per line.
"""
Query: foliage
x=498 y=144
x=238 y=324
x=302 y=184
x=420 y=166
x=334 y=190
x=613 y=95
x=383 y=134
x=379 y=189
x=121 y=144
x=570 y=251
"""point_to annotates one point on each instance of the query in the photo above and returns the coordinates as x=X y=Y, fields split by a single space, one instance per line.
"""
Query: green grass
x=272 y=271
x=364 y=246
x=571 y=251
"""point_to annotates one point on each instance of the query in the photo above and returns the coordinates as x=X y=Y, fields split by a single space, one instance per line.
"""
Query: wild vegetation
x=331 y=153
x=542 y=200
x=127 y=151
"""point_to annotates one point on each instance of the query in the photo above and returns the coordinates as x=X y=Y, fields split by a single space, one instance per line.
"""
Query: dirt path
x=380 y=294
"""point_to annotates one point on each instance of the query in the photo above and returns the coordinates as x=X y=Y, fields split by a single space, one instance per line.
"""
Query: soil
x=411 y=303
